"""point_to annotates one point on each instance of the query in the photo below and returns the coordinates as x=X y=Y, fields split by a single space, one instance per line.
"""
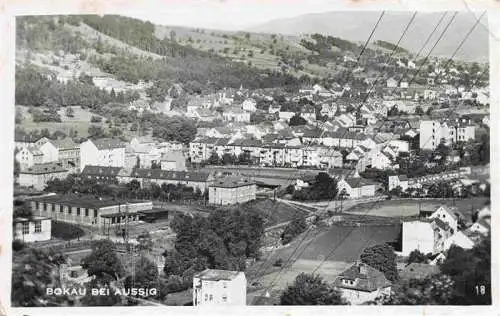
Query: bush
x=17 y=245
x=278 y=263
x=95 y=119
x=66 y=231
x=293 y=229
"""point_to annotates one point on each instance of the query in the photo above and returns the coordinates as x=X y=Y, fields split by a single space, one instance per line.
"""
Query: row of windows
x=70 y=209
x=26 y=227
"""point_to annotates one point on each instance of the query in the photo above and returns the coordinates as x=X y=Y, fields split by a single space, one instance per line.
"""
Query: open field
x=274 y=212
x=80 y=122
x=336 y=246
x=411 y=207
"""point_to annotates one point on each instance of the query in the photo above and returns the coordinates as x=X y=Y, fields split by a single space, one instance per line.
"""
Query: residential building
x=29 y=156
x=236 y=115
x=106 y=152
x=361 y=283
x=219 y=287
x=232 y=190
x=286 y=115
x=173 y=161
x=449 y=215
x=433 y=132
x=37 y=176
x=355 y=188
x=392 y=83
x=23 y=140
x=418 y=271
x=249 y=105
x=68 y=153
x=194 y=179
x=98 y=212
x=32 y=229
x=101 y=174
x=482 y=226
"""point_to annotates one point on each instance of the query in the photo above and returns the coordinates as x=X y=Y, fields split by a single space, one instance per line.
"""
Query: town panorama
x=160 y=165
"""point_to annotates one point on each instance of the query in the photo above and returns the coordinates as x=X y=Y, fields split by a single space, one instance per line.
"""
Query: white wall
x=419 y=236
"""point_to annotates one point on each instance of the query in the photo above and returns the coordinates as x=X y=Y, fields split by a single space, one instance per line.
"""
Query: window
x=224 y=285
x=224 y=298
x=53 y=207
x=77 y=211
x=95 y=213
x=69 y=209
x=206 y=297
x=26 y=228
x=61 y=208
x=45 y=206
x=87 y=212
x=38 y=226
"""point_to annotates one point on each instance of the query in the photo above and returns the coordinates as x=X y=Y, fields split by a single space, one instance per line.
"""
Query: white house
x=33 y=229
x=482 y=226
x=29 y=156
x=418 y=235
x=286 y=115
x=219 y=288
x=448 y=215
x=236 y=115
x=355 y=188
x=361 y=283
x=392 y=83
x=106 y=152
x=249 y=105
x=433 y=132
x=50 y=152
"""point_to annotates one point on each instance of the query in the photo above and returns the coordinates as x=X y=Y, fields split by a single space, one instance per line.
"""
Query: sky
x=232 y=14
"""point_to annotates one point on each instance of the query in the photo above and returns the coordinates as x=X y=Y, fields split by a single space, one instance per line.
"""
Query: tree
x=96 y=131
x=102 y=262
x=435 y=290
x=22 y=209
x=416 y=257
x=419 y=110
x=293 y=229
x=470 y=271
x=382 y=258
x=33 y=271
x=297 y=120
x=325 y=186
x=145 y=275
x=214 y=158
x=310 y=289
x=145 y=241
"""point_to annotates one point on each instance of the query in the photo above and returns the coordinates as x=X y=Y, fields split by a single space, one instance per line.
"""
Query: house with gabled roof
x=195 y=179
x=106 y=152
x=29 y=156
x=361 y=283
x=356 y=187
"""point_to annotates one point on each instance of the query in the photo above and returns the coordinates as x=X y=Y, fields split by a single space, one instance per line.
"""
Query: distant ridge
x=356 y=25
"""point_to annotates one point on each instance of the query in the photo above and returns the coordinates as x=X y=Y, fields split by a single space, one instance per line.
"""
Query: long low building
x=37 y=176
x=89 y=210
x=195 y=179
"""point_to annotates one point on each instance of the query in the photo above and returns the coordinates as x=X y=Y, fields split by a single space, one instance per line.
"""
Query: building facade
x=37 y=176
x=232 y=190
x=219 y=287
x=32 y=229
x=434 y=132
x=104 y=152
x=85 y=210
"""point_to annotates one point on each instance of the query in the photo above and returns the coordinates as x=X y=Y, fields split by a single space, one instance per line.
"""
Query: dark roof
x=232 y=182
x=194 y=176
x=86 y=201
x=365 y=278
x=64 y=143
x=243 y=142
x=439 y=223
x=44 y=169
x=20 y=136
x=108 y=143
x=101 y=171
x=418 y=271
x=359 y=182
x=217 y=275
